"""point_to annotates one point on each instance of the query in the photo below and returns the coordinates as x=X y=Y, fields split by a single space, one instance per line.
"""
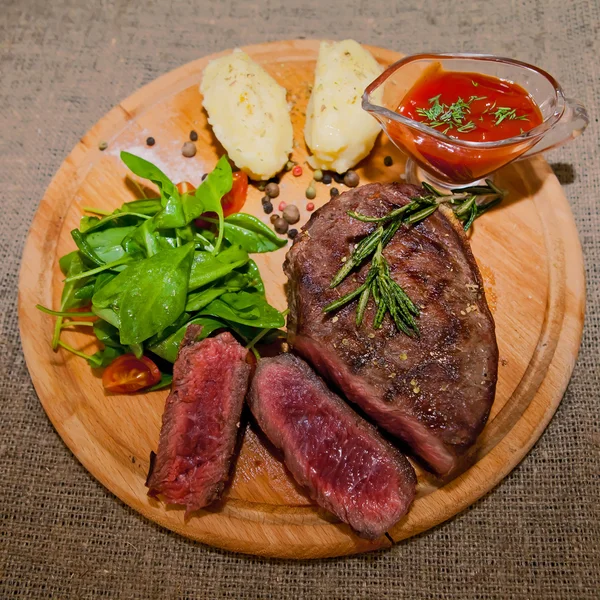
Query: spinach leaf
x=207 y=197
x=207 y=268
x=147 y=206
x=90 y=224
x=253 y=278
x=171 y=216
x=145 y=169
x=106 y=333
x=107 y=243
x=149 y=294
x=111 y=236
x=146 y=238
x=104 y=357
x=85 y=248
x=245 y=308
x=251 y=234
x=169 y=347
x=86 y=223
x=72 y=264
x=165 y=382
x=85 y=292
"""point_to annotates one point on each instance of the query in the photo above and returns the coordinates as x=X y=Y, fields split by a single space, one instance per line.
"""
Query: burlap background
x=64 y=64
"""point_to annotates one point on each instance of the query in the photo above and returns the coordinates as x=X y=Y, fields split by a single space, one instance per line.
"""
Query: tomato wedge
x=127 y=374
x=233 y=201
x=185 y=187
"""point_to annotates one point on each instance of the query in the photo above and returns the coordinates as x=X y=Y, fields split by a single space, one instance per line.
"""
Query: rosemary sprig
x=467 y=203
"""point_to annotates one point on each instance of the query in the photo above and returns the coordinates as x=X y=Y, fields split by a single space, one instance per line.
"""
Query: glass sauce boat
x=446 y=161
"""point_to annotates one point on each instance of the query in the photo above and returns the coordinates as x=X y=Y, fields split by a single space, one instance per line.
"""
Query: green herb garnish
x=450 y=116
x=505 y=112
x=467 y=204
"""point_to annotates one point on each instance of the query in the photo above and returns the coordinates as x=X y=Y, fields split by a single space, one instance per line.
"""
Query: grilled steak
x=200 y=422
x=435 y=391
x=346 y=466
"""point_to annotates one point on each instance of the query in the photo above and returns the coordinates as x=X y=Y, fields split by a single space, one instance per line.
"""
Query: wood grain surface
x=527 y=249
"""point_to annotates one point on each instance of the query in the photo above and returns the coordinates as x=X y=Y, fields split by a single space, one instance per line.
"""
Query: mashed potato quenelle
x=249 y=114
x=338 y=131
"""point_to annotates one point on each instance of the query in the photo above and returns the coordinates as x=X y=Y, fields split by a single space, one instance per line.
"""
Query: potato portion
x=338 y=131
x=249 y=114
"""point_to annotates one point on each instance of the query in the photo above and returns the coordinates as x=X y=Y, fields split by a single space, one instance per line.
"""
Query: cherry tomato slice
x=127 y=374
x=234 y=200
x=185 y=187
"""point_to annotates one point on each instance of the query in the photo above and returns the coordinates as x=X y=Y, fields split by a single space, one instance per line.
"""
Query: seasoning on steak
x=201 y=420
x=435 y=391
x=346 y=466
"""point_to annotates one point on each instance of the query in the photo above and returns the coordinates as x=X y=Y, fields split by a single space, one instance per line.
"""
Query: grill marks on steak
x=200 y=422
x=435 y=391
x=347 y=467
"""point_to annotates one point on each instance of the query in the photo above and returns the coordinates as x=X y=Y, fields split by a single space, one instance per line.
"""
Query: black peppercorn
x=333 y=192
x=327 y=178
x=150 y=141
x=292 y=233
x=193 y=136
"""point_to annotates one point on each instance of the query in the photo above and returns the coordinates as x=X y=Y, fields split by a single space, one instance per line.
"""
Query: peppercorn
x=265 y=200
x=188 y=149
x=281 y=225
x=310 y=192
x=272 y=190
x=318 y=175
x=274 y=218
x=338 y=178
x=387 y=161
x=333 y=192
x=310 y=206
x=351 y=179
x=291 y=214
x=150 y=141
x=102 y=146
x=268 y=208
x=193 y=136
x=297 y=171
x=292 y=233
x=327 y=178
x=289 y=165
x=281 y=205
x=261 y=186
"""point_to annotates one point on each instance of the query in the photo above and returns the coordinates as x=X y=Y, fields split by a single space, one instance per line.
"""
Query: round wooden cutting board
x=527 y=249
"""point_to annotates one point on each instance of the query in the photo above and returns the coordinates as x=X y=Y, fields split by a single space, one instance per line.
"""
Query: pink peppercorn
x=297 y=171
x=281 y=205
x=310 y=206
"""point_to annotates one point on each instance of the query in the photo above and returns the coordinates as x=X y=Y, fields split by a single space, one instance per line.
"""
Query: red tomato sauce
x=471 y=106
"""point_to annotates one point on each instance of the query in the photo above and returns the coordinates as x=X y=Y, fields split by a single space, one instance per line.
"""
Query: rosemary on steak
x=467 y=203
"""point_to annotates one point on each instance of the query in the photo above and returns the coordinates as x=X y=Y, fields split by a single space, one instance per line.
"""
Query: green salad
x=152 y=267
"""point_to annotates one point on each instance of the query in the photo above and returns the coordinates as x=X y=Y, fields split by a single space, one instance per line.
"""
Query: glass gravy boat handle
x=572 y=123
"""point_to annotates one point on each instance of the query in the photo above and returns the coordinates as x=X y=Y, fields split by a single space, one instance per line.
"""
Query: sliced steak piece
x=434 y=392
x=346 y=466
x=201 y=420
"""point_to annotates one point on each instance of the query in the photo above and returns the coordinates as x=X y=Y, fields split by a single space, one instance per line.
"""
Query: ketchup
x=469 y=107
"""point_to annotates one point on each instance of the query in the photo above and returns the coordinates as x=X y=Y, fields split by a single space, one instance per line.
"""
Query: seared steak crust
x=346 y=466
x=434 y=392
x=201 y=420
